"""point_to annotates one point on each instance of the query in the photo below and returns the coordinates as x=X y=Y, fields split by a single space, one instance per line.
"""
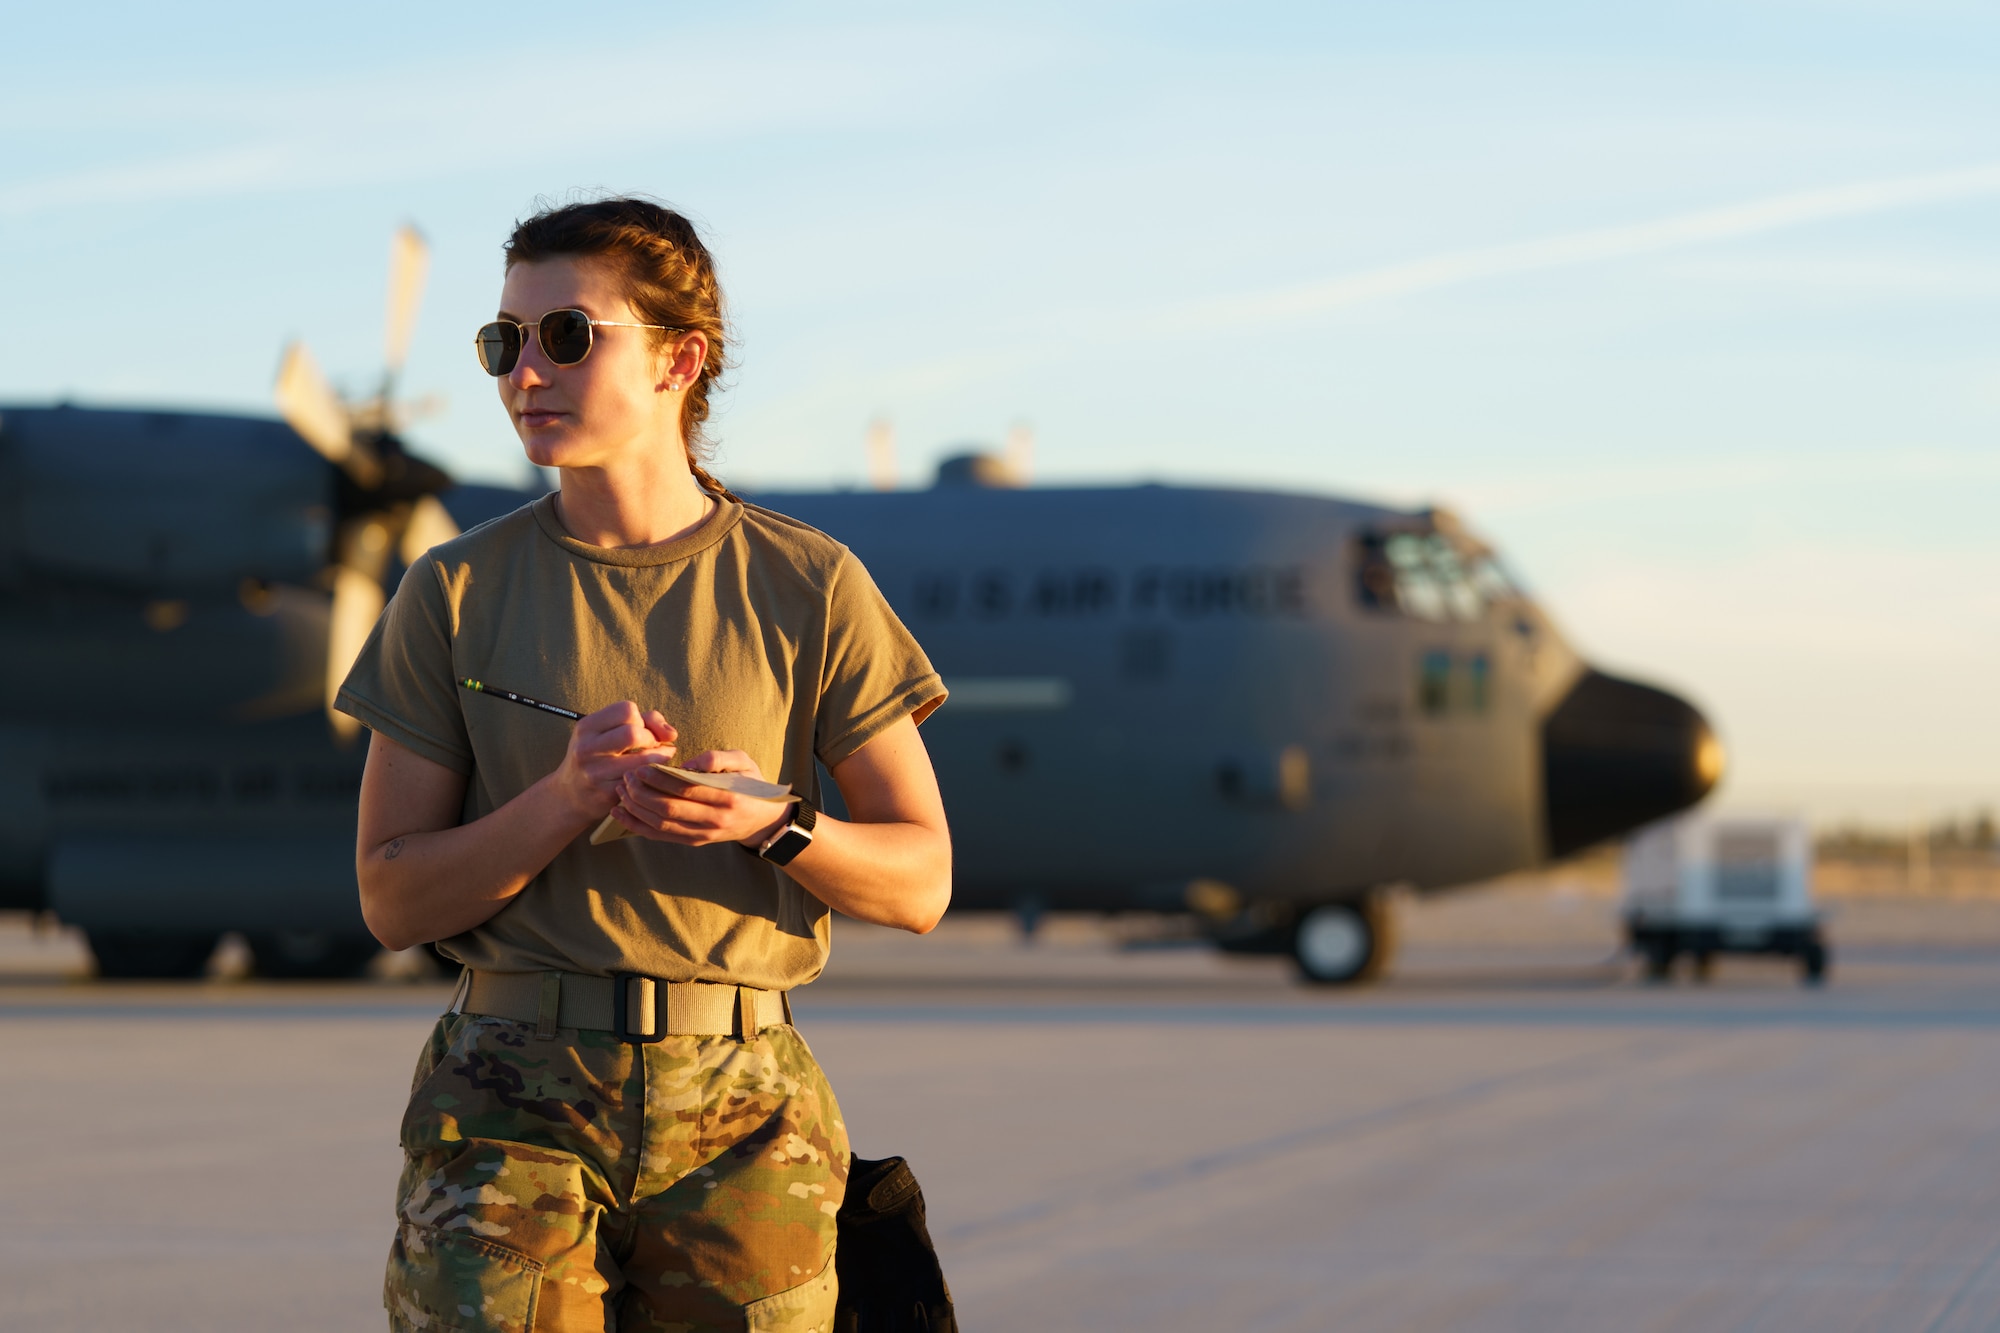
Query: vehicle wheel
x=1704 y=967
x=1812 y=964
x=295 y=955
x=152 y=953
x=1659 y=964
x=1339 y=944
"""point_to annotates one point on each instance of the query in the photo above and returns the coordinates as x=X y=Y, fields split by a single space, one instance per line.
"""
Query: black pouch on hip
x=890 y=1281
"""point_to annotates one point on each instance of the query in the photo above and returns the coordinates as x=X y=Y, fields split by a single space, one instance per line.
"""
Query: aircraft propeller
x=409 y=266
x=312 y=408
x=386 y=499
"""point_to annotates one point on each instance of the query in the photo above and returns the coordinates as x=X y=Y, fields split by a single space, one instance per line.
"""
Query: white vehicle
x=1702 y=885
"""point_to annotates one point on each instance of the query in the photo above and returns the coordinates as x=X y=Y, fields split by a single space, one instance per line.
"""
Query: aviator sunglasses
x=564 y=334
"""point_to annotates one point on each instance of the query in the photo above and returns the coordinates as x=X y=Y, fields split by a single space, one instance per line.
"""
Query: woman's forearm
x=424 y=876
x=890 y=864
x=891 y=874
x=419 y=887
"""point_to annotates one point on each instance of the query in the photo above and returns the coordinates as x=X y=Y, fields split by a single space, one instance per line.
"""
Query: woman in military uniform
x=618 y=1125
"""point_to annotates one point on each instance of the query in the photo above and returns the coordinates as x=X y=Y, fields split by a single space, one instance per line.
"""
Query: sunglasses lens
x=499 y=347
x=566 y=336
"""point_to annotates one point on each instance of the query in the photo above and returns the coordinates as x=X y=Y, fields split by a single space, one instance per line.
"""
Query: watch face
x=789 y=844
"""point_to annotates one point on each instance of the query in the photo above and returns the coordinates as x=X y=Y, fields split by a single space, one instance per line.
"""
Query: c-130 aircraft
x=1263 y=709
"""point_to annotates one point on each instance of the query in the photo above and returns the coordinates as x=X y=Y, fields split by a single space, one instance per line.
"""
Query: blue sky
x=1691 y=309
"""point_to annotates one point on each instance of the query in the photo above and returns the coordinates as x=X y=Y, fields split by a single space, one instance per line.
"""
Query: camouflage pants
x=582 y=1183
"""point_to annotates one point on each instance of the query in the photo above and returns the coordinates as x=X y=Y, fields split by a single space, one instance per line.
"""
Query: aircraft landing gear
x=152 y=954
x=302 y=955
x=1340 y=943
x=1343 y=944
x=1028 y=914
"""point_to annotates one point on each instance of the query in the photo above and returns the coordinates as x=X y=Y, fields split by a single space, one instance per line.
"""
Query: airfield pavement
x=1114 y=1133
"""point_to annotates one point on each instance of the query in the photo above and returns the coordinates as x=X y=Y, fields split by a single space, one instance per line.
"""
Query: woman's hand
x=425 y=876
x=889 y=862
x=662 y=807
x=605 y=749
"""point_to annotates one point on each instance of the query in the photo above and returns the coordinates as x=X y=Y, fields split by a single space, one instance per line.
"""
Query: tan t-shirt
x=754 y=632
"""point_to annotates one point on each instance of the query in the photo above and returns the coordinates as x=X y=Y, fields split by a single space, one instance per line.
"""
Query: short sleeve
x=875 y=674
x=402 y=683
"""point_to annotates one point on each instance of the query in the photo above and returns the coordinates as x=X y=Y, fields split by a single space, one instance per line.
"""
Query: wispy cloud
x=1084 y=331
x=192 y=175
x=1540 y=492
x=1568 y=249
x=1867 y=276
x=421 y=119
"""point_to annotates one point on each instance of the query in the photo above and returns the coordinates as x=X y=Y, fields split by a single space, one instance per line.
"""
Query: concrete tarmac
x=1117 y=1133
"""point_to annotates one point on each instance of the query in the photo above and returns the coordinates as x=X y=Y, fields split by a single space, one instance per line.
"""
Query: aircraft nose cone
x=1617 y=754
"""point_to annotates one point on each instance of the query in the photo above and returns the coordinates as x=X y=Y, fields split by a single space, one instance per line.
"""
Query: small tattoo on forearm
x=393 y=850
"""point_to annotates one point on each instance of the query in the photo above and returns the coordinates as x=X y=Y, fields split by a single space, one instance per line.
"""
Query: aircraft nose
x=1617 y=754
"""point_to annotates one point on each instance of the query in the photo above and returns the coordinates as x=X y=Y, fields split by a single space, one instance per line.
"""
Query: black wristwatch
x=793 y=838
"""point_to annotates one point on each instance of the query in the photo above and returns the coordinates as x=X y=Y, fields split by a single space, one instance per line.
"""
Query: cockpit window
x=1492 y=581
x=1419 y=589
x=1428 y=576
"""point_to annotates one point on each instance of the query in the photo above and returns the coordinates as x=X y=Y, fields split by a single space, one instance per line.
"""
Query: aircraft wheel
x=1659 y=964
x=156 y=954
x=1339 y=944
x=1812 y=965
x=296 y=955
x=1704 y=968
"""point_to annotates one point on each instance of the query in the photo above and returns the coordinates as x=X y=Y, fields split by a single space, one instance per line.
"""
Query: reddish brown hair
x=669 y=279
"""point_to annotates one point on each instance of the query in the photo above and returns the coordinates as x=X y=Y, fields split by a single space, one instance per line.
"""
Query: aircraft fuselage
x=1155 y=685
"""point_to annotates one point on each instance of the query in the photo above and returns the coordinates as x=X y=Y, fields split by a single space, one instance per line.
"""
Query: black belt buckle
x=621 y=1005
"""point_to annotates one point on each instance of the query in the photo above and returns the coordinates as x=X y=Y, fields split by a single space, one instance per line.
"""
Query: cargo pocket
x=452 y=1282
x=426 y=1125
x=806 y=1308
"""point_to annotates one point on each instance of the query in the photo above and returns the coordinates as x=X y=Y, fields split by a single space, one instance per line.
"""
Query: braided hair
x=669 y=278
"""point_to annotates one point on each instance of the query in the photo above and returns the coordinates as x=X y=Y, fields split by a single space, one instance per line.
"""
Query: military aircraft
x=179 y=596
x=1265 y=710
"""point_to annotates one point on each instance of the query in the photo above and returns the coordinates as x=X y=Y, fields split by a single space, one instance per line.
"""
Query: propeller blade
x=882 y=454
x=311 y=407
x=429 y=524
x=409 y=264
x=1021 y=451
x=357 y=605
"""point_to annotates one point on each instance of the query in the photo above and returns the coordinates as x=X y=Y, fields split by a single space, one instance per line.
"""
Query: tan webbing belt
x=552 y=1000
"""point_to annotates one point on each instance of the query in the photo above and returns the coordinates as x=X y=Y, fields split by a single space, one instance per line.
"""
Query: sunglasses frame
x=521 y=328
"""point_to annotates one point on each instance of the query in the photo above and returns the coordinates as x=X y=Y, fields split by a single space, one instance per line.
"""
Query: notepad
x=741 y=783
